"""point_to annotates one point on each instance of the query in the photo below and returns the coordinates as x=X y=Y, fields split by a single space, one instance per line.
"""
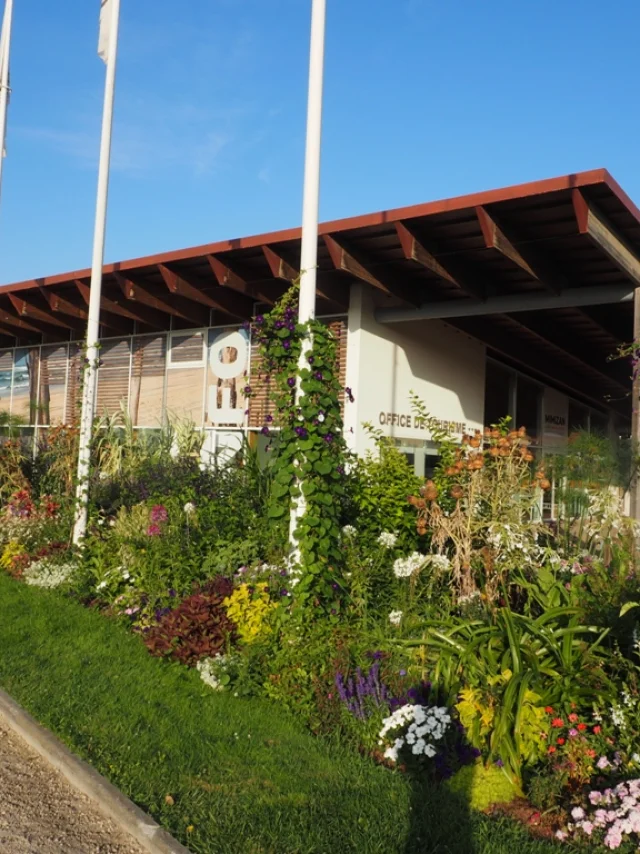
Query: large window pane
x=53 y=379
x=528 y=407
x=146 y=403
x=185 y=377
x=113 y=376
x=24 y=399
x=6 y=370
x=497 y=396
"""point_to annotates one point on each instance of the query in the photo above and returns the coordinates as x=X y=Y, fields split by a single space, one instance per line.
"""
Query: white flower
x=404 y=567
x=577 y=813
x=440 y=562
x=320 y=417
x=101 y=586
x=387 y=540
x=349 y=531
x=395 y=617
x=189 y=508
x=45 y=573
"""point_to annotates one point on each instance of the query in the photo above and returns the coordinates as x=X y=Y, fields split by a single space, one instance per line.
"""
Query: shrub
x=482 y=786
x=249 y=608
x=198 y=628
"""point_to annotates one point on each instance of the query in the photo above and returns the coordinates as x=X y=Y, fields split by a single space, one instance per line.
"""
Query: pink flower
x=587 y=826
x=153 y=530
x=573 y=732
x=603 y=763
x=158 y=513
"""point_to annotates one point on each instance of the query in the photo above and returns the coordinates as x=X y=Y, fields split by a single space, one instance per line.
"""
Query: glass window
x=578 y=417
x=497 y=395
x=528 y=406
x=53 y=380
x=6 y=370
x=599 y=423
x=146 y=401
x=24 y=399
x=113 y=376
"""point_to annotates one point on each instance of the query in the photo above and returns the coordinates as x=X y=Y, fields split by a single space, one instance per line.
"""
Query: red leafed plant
x=197 y=628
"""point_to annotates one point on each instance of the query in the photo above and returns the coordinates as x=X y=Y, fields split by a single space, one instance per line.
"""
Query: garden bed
x=221 y=774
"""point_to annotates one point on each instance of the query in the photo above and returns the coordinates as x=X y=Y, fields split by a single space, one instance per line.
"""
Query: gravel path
x=40 y=813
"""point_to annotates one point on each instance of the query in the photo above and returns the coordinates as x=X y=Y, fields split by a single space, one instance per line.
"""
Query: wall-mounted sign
x=415 y=422
x=555 y=417
x=227 y=368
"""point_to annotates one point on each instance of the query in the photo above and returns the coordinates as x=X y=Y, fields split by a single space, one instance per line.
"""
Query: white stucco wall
x=385 y=362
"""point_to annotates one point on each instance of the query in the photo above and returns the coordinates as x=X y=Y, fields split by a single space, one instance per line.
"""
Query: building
x=505 y=302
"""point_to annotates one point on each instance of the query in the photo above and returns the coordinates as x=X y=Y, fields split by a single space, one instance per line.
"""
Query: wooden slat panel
x=113 y=376
x=53 y=378
x=261 y=402
x=147 y=380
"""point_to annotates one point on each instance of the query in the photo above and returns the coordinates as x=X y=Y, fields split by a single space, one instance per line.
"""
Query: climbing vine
x=311 y=448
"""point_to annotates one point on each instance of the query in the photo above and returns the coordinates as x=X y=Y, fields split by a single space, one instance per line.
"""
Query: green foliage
x=311 y=447
x=552 y=658
x=483 y=786
x=380 y=484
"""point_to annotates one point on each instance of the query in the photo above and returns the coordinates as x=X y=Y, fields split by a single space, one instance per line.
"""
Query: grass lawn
x=244 y=776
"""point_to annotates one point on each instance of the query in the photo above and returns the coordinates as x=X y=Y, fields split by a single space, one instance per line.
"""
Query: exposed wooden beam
x=345 y=260
x=7 y=319
x=582 y=355
x=280 y=268
x=414 y=250
x=224 y=300
x=147 y=316
x=63 y=306
x=228 y=278
x=534 y=360
x=495 y=237
x=592 y=223
x=32 y=312
x=135 y=292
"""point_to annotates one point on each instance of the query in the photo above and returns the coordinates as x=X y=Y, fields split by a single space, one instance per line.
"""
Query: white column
x=310 y=204
x=93 y=321
x=5 y=44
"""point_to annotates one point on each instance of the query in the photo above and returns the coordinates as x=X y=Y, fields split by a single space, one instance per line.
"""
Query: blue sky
x=423 y=100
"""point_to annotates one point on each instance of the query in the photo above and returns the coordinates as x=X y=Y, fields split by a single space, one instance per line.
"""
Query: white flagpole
x=310 y=207
x=5 y=43
x=93 y=321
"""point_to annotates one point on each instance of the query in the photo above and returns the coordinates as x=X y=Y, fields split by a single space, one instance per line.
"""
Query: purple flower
x=403 y=673
x=284 y=592
x=291 y=382
x=573 y=733
x=340 y=469
x=335 y=586
x=246 y=325
x=268 y=419
x=259 y=320
x=279 y=324
x=310 y=360
x=172 y=593
x=329 y=438
x=318 y=376
x=286 y=344
x=499 y=763
x=301 y=432
x=265 y=431
x=247 y=389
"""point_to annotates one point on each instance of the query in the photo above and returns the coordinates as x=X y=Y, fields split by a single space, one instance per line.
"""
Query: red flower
x=582 y=727
x=558 y=722
x=548 y=710
x=573 y=717
x=597 y=730
x=551 y=750
x=561 y=741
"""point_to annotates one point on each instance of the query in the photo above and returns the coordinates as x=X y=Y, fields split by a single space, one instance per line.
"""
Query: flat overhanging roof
x=541 y=272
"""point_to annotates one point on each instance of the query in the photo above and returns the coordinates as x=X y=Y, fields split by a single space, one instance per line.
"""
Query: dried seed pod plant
x=495 y=486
